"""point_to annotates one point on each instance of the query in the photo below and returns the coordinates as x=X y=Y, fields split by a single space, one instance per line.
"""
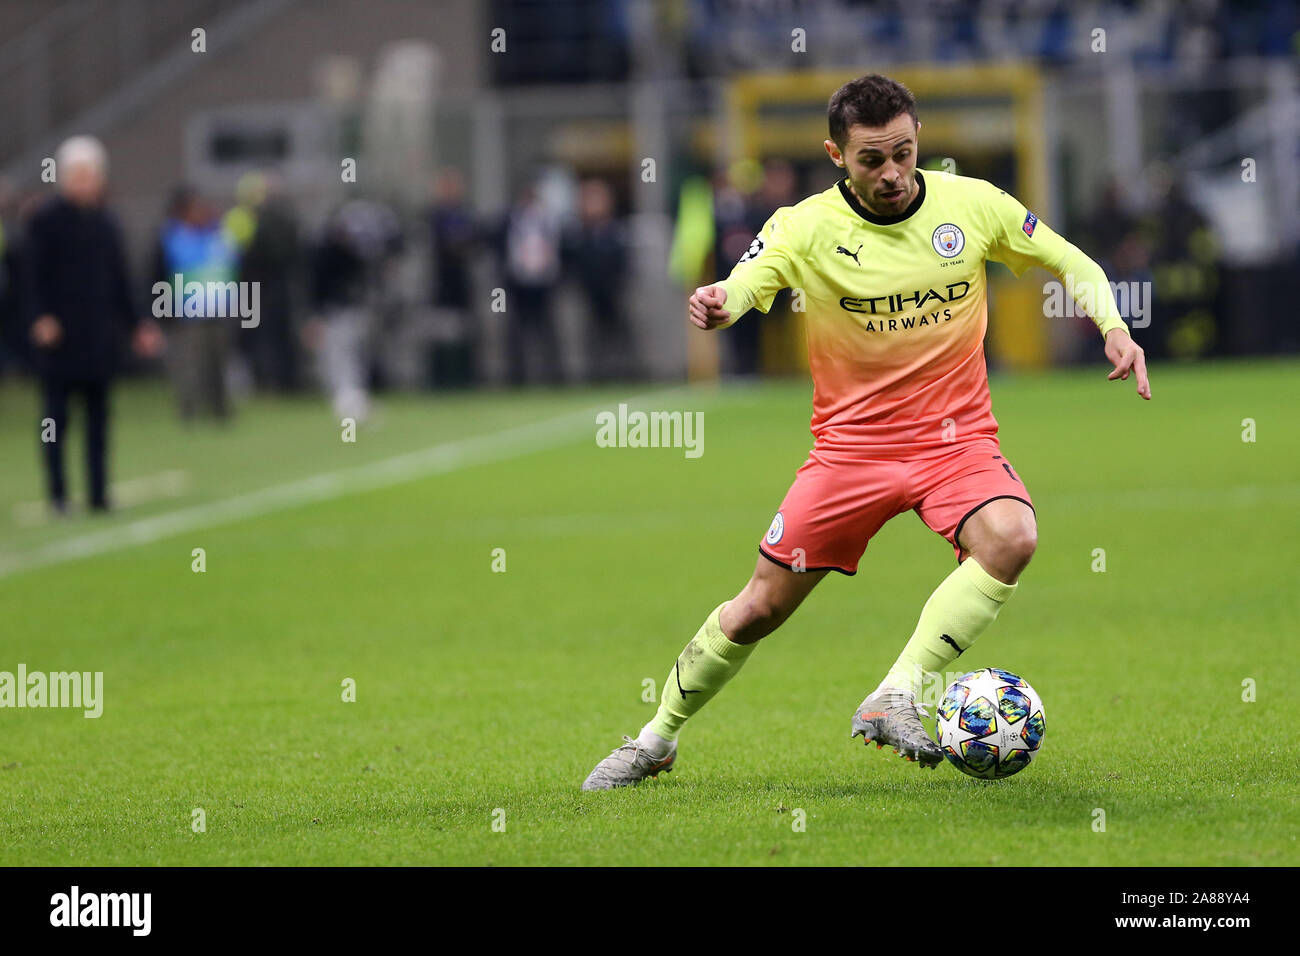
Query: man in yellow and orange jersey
x=890 y=266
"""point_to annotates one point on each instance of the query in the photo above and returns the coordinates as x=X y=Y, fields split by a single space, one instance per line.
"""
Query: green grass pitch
x=486 y=697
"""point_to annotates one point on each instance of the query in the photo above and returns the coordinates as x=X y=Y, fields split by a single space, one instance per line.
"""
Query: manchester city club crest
x=777 y=531
x=948 y=240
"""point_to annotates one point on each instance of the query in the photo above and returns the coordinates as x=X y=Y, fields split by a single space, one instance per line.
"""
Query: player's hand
x=706 y=311
x=1127 y=357
x=46 y=332
x=148 y=340
x=312 y=334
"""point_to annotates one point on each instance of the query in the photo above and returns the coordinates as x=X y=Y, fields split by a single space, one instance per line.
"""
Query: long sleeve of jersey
x=1022 y=240
x=769 y=265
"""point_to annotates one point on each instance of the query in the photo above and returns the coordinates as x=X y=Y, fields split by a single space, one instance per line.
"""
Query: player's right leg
x=974 y=498
x=714 y=656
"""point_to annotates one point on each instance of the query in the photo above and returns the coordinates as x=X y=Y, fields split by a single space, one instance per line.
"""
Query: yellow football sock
x=956 y=614
x=707 y=662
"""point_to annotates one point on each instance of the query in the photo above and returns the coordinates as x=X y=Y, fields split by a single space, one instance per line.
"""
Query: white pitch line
x=125 y=494
x=434 y=460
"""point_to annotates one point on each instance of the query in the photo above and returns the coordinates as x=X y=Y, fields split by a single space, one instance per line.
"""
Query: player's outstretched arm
x=1079 y=272
x=1021 y=240
x=706 y=307
x=1128 y=358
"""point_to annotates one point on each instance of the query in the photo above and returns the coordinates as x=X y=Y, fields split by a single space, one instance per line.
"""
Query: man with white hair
x=80 y=304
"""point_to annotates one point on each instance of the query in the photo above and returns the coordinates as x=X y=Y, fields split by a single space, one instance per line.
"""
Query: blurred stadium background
x=596 y=159
x=636 y=147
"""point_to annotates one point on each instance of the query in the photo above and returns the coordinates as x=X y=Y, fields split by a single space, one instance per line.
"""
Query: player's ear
x=834 y=153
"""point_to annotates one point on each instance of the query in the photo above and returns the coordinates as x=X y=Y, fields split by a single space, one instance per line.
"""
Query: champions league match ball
x=990 y=723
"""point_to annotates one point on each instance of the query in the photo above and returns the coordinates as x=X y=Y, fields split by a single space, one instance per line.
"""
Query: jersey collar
x=870 y=216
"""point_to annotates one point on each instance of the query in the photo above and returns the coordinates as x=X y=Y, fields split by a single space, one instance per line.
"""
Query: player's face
x=881 y=163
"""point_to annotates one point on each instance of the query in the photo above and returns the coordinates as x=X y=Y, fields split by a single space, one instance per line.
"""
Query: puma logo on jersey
x=852 y=255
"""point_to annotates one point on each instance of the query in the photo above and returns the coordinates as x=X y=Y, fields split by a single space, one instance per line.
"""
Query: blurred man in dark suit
x=596 y=254
x=80 y=302
x=529 y=245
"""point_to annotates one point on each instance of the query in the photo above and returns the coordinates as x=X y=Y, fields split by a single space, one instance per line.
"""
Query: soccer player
x=890 y=266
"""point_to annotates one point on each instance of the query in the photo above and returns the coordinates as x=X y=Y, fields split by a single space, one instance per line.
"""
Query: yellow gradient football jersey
x=896 y=307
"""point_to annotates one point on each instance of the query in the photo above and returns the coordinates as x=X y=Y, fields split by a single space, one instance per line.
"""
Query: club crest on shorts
x=777 y=531
x=948 y=240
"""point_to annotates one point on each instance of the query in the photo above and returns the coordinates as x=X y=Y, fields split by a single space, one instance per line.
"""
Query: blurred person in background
x=193 y=247
x=348 y=265
x=1128 y=265
x=529 y=246
x=596 y=255
x=1185 y=273
x=737 y=220
x=1110 y=223
x=79 y=303
x=1112 y=230
x=454 y=233
x=779 y=187
x=264 y=228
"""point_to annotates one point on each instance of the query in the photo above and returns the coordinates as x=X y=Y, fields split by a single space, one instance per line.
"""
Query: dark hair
x=871 y=100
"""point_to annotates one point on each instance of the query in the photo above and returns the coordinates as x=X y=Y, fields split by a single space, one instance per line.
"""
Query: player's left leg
x=1002 y=536
x=835 y=505
x=975 y=499
x=712 y=658
x=998 y=540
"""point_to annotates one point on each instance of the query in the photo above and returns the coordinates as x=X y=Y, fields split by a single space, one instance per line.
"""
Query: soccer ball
x=990 y=723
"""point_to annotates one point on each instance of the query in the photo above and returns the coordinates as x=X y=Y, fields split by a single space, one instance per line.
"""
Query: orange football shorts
x=839 y=501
